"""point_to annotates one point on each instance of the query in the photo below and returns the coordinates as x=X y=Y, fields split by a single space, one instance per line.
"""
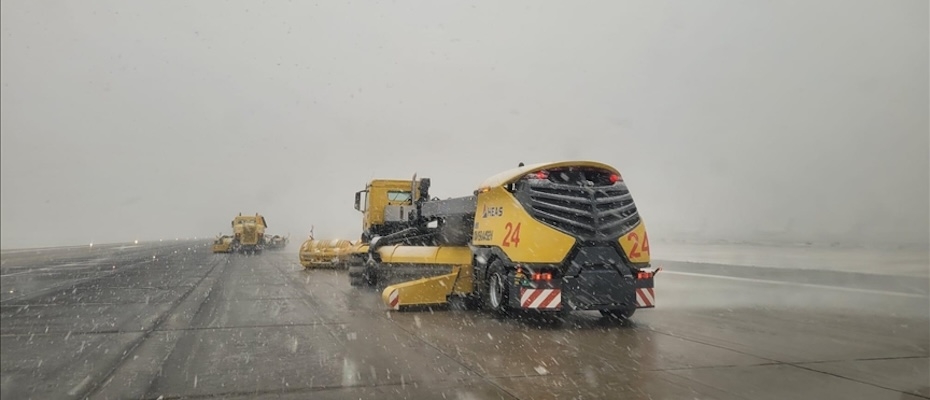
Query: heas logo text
x=492 y=212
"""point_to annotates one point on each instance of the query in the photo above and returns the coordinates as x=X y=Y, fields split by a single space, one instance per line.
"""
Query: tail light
x=539 y=175
x=542 y=276
x=643 y=275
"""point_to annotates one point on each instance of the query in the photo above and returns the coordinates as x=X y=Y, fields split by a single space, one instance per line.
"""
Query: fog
x=730 y=120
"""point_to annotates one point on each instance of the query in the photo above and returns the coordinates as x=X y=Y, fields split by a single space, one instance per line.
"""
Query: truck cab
x=386 y=205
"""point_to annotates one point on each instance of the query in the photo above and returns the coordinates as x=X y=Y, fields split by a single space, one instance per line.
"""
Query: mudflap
x=529 y=295
x=604 y=289
x=645 y=298
x=645 y=287
x=536 y=296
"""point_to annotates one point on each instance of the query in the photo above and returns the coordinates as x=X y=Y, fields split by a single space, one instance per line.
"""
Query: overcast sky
x=788 y=120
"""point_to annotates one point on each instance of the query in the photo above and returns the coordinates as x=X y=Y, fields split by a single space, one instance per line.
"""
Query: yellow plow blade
x=429 y=291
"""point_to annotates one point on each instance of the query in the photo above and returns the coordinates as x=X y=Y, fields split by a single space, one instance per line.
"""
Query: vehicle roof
x=512 y=175
x=251 y=218
x=391 y=182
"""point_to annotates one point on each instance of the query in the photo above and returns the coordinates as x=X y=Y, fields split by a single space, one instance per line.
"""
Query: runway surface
x=172 y=320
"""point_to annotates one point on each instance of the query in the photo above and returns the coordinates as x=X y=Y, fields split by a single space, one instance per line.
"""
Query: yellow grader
x=248 y=233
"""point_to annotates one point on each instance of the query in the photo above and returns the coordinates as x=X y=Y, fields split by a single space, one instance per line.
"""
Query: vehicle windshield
x=398 y=196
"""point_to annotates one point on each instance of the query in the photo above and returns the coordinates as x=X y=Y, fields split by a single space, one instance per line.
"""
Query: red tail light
x=542 y=276
x=643 y=275
x=614 y=178
x=538 y=175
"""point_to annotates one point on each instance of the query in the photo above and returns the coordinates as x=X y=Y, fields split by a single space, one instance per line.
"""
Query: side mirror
x=360 y=203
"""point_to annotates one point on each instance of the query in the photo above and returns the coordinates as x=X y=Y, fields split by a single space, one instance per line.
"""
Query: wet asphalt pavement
x=172 y=320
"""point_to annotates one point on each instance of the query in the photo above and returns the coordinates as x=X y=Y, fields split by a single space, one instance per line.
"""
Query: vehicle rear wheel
x=495 y=296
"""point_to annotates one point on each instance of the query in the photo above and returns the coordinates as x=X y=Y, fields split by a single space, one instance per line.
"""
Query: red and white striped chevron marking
x=645 y=297
x=541 y=298
x=394 y=300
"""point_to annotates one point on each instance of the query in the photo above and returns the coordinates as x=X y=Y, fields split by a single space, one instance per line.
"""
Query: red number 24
x=512 y=235
x=634 y=252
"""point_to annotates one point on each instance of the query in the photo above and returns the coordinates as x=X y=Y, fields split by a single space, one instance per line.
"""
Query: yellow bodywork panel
x=358 y=247
x=432 y=290
x=636 y=244
x=512 y=175
x=323 y=252
x=429 y=291
x=501 y=221
x=431 y=255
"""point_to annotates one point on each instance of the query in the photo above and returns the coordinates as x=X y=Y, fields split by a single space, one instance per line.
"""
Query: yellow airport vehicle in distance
x=248 y=233
x=556 y=237
x=222 y=244
x=276 y=242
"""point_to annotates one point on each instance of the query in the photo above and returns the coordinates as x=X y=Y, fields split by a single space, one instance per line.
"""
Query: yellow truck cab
x=385 y=204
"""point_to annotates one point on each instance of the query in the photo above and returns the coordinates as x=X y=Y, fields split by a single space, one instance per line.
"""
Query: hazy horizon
x=781 y=121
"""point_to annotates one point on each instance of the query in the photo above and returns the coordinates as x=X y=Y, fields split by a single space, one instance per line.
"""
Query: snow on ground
x=901 y=261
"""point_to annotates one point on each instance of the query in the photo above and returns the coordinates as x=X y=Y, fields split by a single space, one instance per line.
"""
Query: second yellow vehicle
x=332 y=253
x=248 y=233
x=557 y=236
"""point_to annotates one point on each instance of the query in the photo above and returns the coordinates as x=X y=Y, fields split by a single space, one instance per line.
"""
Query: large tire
x=362 y=276
x=496 y=289
x=356 y=276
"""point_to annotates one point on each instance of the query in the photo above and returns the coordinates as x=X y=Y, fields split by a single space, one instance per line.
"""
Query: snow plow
x=324 y=253
x=222 y=244
x=276 y=242
x=550 y=237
